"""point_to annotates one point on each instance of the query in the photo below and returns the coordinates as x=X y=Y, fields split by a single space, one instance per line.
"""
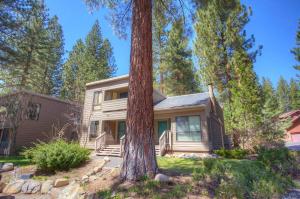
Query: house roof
x=181 y=101
x=39 y=95
x=108 y=80
x=289 y=114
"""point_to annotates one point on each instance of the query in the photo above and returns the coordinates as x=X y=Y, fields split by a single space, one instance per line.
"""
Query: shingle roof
x=183 y=101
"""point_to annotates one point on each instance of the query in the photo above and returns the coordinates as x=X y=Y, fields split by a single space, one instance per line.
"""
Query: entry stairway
x=115 y=150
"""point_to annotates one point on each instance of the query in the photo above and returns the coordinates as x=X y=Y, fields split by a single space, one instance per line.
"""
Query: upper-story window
x=33 y=111
x=97 y=100
x=123 y=95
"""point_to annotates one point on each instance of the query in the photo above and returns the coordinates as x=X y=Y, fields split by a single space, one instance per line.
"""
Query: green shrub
x=232 y=154
x=279 y=160
x=57 y=155
x=231 y=178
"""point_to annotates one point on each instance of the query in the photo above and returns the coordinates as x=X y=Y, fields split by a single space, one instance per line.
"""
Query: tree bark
x=139 y=152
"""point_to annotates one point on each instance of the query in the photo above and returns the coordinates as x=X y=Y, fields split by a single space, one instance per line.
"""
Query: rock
x=7 y=167
x=26 y=176
x=162 y=178
x=61 y=182
x=85 y=179
x=99 y=168
x=2 y=185
x=106 y=159
x=13 y=187
x=90 y=173
x=46 y=186
x=92 y=178
x=54 y=192
x=72 y=191
x=31 y=186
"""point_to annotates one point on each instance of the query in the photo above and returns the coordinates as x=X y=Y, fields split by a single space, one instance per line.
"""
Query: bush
x=232 y=154
x=57 y=155
x=279 y=160
x=240 y=179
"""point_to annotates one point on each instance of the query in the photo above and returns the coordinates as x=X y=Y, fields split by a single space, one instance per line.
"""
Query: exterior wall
x=52 y=114
x=216 y=128
x=99 y=115
x=179 y=146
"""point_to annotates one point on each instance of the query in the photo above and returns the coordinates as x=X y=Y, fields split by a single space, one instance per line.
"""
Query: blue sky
x=274 y=25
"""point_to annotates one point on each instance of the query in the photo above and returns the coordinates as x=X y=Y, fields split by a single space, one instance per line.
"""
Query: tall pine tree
x=270 y=103
x=88 y=61
x=283 y=95
x=179 y=75
x=38 y=49
x=294 y=94
x=296 y=51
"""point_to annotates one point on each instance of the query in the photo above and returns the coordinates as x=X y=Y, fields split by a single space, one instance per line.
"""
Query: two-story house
x=187 y=123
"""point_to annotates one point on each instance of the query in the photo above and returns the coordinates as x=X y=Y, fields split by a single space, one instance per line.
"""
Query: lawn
x=16 y=160
x=208 y=178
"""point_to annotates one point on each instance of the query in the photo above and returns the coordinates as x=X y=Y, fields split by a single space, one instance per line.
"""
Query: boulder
x=162 y=178
x=26 y=176
x=7 y=167
x=61 y=182
x=2 y=185
x=106 y=159
x=90 y=173
x=13 y=187
x=100 y=167
x=92 y=178
x=72 y=191
x=31 y=186
x=46 y=186
x=85 y=179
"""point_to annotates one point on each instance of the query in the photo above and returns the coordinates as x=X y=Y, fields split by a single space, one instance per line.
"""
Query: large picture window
x=188 y=128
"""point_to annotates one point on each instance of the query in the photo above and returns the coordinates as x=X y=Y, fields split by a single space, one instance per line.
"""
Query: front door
x=162 y=126
x=121 y=129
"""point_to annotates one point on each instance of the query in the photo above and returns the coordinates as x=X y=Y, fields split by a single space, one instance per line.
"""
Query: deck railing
x=164 y=144
x=122 y=144
x=100 y=141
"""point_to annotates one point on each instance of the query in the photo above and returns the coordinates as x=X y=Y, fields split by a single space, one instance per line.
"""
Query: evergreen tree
x=179 y=75
x=296 y=51
x=87 y=62
x=38 y=50
x=74 y=73
x=243 y=113
x=283 y=95
x=226 y=60
x=294 y=95
x=270 y=103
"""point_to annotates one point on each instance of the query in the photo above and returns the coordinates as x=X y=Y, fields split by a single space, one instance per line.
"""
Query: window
x=33 y=111
x=123 y=95
x=4 y=135
x=94 y=128
x=188 y=128
x=97 y=98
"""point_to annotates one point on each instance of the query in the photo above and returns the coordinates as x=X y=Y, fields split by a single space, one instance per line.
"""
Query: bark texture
x=139 y=154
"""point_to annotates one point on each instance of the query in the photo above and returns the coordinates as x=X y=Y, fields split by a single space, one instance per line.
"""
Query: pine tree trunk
x=139 y=154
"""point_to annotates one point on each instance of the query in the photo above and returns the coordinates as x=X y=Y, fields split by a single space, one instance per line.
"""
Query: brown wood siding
x=52 y=112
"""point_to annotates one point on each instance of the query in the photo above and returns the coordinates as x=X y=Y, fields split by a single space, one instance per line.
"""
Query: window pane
x=194 y=122
x=182 y=124
x=94 y=128
x=188 y=128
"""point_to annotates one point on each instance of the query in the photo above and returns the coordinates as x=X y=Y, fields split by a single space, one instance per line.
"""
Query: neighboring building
x=292 y=132
x=184 y=123
x=36 y=118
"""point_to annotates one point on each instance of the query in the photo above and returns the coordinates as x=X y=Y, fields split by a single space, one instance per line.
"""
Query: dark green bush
x=57 y=155
x=279 y=160
x=232 y=154
x=230 y=178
